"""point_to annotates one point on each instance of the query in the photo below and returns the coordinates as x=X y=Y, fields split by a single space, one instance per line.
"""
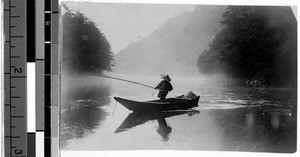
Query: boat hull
x=177 y=103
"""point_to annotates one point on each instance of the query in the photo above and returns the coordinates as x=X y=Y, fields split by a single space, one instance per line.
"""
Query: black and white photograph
x=197 y=77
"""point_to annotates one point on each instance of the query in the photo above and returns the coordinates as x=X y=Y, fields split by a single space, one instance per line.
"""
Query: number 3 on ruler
x=18 y=151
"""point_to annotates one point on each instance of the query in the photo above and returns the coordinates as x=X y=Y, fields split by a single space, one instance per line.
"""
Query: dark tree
x=257 y=43
x=85 y=48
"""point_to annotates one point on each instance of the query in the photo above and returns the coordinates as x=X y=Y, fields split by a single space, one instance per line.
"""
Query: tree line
x=85 y=49
x=256 y=44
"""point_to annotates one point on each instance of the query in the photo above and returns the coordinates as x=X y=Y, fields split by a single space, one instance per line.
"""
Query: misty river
x=228 y=118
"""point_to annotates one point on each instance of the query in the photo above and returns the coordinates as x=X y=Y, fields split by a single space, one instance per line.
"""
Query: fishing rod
x=115 y=78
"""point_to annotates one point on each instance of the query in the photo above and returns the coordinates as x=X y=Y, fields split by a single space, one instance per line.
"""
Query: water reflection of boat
x=138 y=118
x=177 y=103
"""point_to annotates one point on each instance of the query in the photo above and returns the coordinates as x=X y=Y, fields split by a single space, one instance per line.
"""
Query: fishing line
x=115 y=78
x=114 y=113
x=114 y=108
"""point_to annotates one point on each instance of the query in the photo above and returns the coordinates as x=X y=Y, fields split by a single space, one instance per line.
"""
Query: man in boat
x=164 y=87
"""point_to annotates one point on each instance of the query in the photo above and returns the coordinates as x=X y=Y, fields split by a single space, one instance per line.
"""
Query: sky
x=124 y=23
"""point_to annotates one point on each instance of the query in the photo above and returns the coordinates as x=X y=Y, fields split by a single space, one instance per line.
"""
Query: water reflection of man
x=163 y=129
x=164 y=87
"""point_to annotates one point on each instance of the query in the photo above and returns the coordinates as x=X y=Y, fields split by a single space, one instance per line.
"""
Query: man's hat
x=166 y=77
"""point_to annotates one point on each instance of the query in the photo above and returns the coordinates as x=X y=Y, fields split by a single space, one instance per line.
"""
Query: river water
x=228 y=118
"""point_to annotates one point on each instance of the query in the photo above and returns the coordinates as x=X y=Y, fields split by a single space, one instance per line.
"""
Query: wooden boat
x=177 y=103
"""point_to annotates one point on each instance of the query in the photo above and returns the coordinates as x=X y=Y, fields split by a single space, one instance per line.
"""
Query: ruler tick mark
x=14 y=56
x=18 y=77
x=14 y=16
x=16 y=97
x=17 y=116
x=12 y=136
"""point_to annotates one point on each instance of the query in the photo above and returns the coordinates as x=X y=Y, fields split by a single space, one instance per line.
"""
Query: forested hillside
x=257 y=44
x=84 y=47
x=173 y=47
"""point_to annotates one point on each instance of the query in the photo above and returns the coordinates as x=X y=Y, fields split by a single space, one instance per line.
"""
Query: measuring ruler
x=31 y=78
x=15 y=116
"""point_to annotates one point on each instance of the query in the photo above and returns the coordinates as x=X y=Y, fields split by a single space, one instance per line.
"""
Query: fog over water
x=228 y=118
